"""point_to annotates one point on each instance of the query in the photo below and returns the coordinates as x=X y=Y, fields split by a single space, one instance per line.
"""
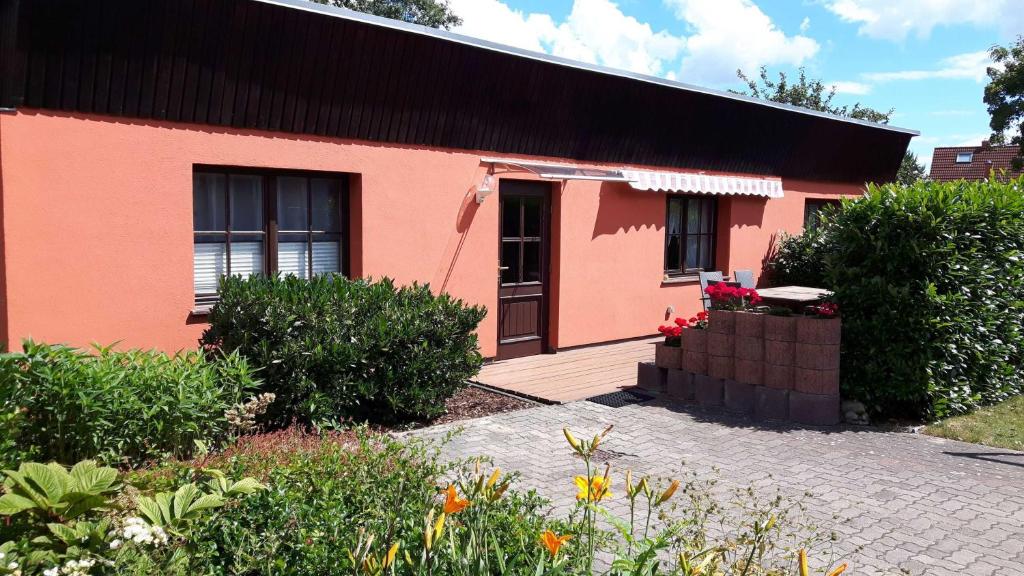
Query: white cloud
x=969 y=66
x=805 y=25
x=896 y=19
x=857 y=88
x=723 y=35
x=731 y=34
x=596 y=31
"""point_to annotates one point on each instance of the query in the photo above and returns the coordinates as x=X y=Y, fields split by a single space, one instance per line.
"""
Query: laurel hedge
x=930 y=281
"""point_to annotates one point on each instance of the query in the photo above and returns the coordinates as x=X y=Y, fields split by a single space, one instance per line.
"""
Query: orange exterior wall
x=97 y=222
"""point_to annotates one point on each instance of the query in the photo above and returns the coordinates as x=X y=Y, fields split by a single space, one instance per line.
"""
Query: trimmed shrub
x=798 y=259
x=930 y=281
x=335 y=349
x=120 y=407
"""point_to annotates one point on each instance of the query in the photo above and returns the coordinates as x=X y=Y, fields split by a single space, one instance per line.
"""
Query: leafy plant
x=175 y=511
x=333 y=349
x=930 y=279
x=122 y=407
x=51 y=492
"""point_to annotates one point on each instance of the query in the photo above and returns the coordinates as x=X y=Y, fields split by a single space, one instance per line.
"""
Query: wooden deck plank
x=571 y=375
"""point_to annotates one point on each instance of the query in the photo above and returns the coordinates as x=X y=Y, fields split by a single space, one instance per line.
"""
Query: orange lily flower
x=452 y=502
x=552 y=542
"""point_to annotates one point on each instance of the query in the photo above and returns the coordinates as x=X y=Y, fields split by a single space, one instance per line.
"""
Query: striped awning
x=703 y=183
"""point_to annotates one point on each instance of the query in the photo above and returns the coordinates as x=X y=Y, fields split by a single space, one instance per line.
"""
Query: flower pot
x=720 y=367
x=749 y=348
x=779 y=352
x=695 y=340
x=722 y=321
x=750 y=324
x=780 y=328
x=723 y=345
x=696 y=362
x=666 y=356
x=814 y=330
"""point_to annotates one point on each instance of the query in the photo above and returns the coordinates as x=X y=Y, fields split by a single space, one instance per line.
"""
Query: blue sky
x=925 y=58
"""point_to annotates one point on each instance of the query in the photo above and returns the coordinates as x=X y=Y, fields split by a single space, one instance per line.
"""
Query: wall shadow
x=1007 y=458
x=463 y=220
x=619 y=211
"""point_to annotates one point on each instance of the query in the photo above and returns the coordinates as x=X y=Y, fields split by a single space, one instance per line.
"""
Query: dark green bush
x=120 y=407
x=797 y=260
x=930 y=281
x=334 y=349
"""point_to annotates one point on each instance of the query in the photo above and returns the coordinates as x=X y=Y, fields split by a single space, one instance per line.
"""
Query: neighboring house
x=150 y=147
x=972 y=162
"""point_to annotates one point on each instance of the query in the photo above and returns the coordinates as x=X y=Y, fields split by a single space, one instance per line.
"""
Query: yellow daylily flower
x=838 y=570
x=597 y=489
x=802 y=556
x=552 y=542
x=390 y=558
x=668 y=492
x=494 y=477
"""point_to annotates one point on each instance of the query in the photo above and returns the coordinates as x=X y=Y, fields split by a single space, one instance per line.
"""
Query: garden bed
x=466 y=404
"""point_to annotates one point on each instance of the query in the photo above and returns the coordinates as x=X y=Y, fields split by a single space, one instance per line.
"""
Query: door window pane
x=531 y=217
x=510 y=218
x=531 y=262
x=246 y=203
x=705 y=220
x=208 y=203
x=326 y=198
x=510 y=262
x=705 y=253
x=291 y=203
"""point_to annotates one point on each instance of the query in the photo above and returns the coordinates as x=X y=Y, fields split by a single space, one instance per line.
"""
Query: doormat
x=620 y=399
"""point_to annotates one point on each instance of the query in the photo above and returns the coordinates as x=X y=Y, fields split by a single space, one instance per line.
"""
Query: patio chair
x=705 y=278
x=745 y=278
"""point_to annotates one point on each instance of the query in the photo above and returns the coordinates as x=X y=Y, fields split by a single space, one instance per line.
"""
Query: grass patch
x=1000 y=425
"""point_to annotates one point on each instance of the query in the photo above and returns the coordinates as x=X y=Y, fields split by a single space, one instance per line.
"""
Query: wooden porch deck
x=573 y=374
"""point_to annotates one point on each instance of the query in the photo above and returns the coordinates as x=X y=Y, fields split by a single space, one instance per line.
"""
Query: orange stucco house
x=148 y=147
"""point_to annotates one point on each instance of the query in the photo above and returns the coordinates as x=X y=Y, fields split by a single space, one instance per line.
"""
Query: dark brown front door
x=523 y=272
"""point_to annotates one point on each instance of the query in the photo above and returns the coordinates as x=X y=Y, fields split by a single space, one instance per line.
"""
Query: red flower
x=681 y=322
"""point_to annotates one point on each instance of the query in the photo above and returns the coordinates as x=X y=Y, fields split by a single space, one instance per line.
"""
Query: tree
x=807 y=94
x=1004 y=96
x=910 y=170
x=433 y=13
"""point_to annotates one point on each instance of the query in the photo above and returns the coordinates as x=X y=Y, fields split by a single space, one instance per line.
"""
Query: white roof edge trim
x=651 y=181
x=347 y=14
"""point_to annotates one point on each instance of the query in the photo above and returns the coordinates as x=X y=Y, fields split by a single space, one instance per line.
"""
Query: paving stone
x=907 y=504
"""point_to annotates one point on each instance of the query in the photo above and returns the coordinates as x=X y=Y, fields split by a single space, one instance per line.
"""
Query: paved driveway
x=906 y=503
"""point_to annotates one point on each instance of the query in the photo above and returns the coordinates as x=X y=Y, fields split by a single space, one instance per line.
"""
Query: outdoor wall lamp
x=486 y=188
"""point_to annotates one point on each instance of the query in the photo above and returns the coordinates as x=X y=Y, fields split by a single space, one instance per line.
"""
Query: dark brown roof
x=287 y=65
x=984 y=159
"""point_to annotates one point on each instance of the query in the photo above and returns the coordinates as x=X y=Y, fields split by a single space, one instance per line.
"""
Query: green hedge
x=930 y=281
x=333 y=349
x=66 y=404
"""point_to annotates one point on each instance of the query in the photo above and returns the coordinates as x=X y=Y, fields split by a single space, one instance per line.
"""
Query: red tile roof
x=985 y=159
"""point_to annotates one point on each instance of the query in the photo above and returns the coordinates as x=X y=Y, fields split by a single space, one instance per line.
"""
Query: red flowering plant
x=673 y=333
x=825 y=310
x=726 y=297
x=700 y=321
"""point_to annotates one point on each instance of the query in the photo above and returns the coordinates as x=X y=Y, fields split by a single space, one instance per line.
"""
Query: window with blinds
x=248 y=222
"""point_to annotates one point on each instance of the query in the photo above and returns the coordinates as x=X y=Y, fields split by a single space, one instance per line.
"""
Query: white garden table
x=793 y=296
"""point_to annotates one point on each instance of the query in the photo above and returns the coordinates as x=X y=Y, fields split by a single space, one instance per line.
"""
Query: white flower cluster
x=138 y=531
x=242 y=417
x=71 y=568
